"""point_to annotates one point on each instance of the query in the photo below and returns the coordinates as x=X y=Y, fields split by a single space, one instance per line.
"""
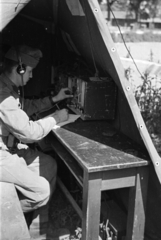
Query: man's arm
x=18 y=123
x=39 y=105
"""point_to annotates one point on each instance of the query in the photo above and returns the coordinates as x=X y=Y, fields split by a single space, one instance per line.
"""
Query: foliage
x=149 y=9
x=143 y=9
x=142 y=6
x=148 y=97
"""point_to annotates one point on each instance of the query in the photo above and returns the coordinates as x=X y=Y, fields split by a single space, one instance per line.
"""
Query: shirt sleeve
x=36 y=105
x=19 y=124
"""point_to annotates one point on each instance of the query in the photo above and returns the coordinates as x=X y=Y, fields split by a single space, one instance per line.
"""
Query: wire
x=125 y=44
x=23 y=95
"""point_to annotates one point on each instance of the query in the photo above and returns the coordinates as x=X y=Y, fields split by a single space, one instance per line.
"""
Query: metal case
x=93 y=99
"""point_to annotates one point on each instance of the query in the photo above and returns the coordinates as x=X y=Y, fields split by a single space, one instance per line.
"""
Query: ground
x=146 y=61
x=62 y=213
x=146 y=51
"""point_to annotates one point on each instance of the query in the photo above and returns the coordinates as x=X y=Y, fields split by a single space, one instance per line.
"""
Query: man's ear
x=14 y=69
x=14 y=72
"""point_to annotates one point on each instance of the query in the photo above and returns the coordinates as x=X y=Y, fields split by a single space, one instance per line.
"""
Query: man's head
x=21 y=60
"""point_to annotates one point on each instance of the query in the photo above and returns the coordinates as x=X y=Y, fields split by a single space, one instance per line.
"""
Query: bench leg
x=91 y=207
x=136 y=207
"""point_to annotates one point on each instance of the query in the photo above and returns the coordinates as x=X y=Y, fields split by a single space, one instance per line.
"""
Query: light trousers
x=32 y=172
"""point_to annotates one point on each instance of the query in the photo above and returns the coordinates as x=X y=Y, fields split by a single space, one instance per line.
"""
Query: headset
x=21 y=69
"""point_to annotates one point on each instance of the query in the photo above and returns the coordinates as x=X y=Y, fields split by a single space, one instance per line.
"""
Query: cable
x=23 y=95
x=126 y=45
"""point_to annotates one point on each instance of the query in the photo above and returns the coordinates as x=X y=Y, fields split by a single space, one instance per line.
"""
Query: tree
x=149 y=8
x=138 y=5
x=134 y=5
x=109 y=5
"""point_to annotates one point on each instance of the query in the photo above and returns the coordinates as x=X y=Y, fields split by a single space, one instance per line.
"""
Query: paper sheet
x=72 y=118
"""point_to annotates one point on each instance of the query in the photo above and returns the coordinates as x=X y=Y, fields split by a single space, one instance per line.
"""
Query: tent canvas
x=85 y=33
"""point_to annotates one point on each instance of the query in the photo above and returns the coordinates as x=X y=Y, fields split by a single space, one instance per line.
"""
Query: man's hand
x=63 y=94
x=61 y=115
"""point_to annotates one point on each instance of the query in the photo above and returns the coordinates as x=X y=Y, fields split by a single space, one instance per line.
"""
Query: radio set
x=94 y=98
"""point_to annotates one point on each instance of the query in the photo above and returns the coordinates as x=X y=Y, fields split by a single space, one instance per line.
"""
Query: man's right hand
x=61 y=115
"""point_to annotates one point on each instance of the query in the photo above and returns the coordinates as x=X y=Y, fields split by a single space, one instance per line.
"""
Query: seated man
x=32 y=172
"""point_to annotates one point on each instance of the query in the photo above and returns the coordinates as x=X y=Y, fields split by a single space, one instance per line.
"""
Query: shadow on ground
x=62 y=214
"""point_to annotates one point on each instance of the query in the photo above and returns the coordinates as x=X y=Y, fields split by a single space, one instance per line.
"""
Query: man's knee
x=43 y=192
x=37 y=197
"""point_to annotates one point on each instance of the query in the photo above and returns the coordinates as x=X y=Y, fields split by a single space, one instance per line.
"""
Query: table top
x=97 y=146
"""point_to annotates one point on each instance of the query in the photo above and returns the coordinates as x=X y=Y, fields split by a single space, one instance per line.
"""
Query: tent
x=67 y=28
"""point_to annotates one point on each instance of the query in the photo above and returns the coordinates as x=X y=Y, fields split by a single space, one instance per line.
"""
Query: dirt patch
x=62 y=214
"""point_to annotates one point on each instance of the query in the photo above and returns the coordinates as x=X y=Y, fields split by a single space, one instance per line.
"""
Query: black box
x=94 y=99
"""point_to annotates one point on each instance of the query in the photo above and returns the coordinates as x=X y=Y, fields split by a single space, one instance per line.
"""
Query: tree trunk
x=108 y=11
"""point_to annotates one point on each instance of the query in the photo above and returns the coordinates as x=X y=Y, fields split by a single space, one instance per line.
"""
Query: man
x=32 y=172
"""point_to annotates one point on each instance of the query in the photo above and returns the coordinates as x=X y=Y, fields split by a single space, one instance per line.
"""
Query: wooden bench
x=101 y=162
x=12 y=221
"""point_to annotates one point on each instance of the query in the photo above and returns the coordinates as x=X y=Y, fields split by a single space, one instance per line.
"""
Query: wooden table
x=100 y=158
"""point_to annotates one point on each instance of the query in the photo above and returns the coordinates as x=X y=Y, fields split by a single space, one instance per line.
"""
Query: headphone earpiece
x=21 y=69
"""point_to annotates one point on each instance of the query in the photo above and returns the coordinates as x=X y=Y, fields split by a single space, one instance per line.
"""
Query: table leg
x=91 y=207
x=136 y=207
